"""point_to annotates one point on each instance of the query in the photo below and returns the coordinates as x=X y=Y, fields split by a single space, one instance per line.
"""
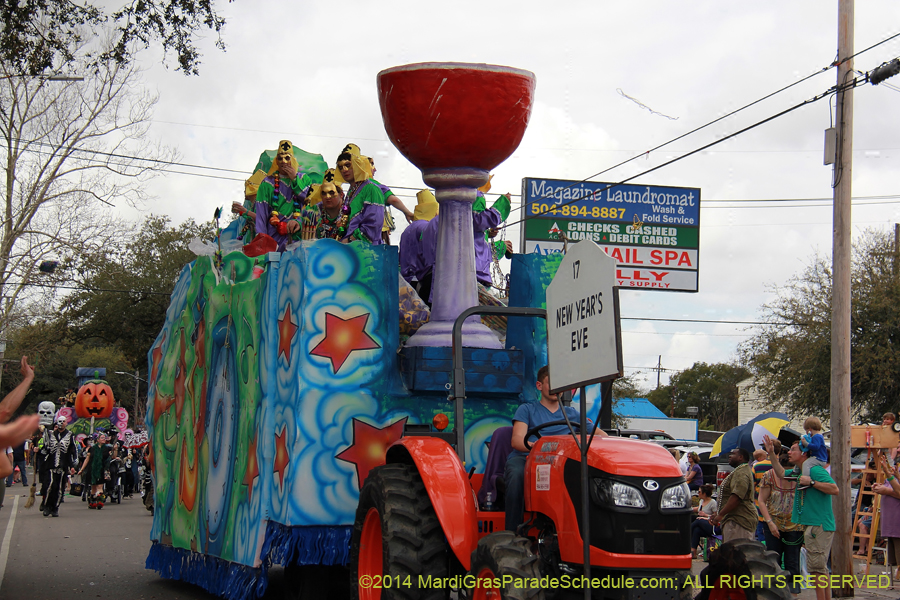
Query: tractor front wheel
x=503 y=556
x=744 y=570
x=398 y=549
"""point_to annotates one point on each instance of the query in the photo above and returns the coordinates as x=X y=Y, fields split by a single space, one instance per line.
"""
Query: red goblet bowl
x=454 y=115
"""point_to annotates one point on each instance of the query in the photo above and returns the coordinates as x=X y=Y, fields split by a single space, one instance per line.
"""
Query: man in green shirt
x=813 y=510
x=738 y=511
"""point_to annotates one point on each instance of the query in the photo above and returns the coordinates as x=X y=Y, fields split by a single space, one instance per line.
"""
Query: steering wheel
x=536 y=430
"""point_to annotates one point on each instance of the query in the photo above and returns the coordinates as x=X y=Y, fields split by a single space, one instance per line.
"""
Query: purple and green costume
x=366 y=212
x=291 y=198
x=412 y=263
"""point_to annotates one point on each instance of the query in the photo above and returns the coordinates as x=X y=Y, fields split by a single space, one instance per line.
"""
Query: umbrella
x=749 y=436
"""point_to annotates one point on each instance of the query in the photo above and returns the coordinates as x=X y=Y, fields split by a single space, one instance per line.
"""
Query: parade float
x=280 y=380
x=94 y=408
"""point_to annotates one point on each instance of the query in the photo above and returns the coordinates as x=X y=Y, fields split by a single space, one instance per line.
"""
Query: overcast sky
x=309 y=75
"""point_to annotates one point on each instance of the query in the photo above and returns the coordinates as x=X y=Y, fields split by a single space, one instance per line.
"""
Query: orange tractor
x=419 y=531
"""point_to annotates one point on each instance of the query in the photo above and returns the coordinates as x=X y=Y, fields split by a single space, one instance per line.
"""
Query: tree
x=68 y=148
x=41 y=36
x=791 y=357
x=627 y=387
x=129 y=286
x=624 y=387
x=711 y=388
x=55 y=358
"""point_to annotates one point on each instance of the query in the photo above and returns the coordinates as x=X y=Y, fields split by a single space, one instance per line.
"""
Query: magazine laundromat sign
x=653 y=232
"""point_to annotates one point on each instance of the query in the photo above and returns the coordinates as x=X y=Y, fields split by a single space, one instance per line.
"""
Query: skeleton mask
x=46 y=410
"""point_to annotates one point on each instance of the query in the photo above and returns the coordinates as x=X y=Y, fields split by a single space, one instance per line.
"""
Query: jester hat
x=362 y=166
x=427 y=206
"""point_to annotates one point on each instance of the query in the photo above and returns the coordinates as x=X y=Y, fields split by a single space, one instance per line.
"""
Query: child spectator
x=813 y=443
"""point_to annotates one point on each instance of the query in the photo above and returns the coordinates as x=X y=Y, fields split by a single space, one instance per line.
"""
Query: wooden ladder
x=874 y=510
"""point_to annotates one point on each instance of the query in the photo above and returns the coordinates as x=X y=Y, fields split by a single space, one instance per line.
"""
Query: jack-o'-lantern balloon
x=95 y=399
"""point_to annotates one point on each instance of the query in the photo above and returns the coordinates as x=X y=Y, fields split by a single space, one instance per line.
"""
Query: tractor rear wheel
x=397 y=541
x=504 y=554
x=753 y=574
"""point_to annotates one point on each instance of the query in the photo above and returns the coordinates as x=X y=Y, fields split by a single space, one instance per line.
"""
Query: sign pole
x=584 y=347
x=585 y=496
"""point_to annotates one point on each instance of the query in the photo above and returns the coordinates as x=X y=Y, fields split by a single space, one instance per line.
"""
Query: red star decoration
x=343 y=336
x=286 y=332
x=281 y=455
x=157 y=357
x=370 y=446
x=180 y=380
x=187 y=485
x=200 y=365
x=252 y=467
x=160 y=405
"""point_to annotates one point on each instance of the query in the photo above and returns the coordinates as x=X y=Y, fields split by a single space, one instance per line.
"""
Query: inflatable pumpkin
x=95 y=399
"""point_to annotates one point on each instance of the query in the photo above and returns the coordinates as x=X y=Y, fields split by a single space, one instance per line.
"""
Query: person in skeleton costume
x=59 y=461
x=46 y=410
x=96 y=462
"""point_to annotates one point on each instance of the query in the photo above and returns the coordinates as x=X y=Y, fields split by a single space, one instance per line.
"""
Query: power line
x=646 y=153
x=705 y=321
x=642 y=154
x=691 y=153
x=684 y=135
x=704 y=203
x=149 y=292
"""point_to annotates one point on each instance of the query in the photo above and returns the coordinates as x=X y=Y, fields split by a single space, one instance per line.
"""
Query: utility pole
x=137 y=388
x=658 y=370
x=896 y=249
x=840 y=304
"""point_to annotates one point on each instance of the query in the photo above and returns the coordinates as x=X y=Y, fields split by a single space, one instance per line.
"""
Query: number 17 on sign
x=583 y=339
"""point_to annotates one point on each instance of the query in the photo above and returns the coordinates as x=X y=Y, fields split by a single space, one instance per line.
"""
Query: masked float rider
x=281 y=196
x=330 y=212
x=364 y=197
x=412 y=264
x=486 y=250
x=247 y=210
x=60 y=456
x=482 y=221
x=390 y=199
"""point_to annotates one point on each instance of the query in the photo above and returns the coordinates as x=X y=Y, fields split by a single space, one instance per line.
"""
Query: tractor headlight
x=675 y=497
x=615 y=493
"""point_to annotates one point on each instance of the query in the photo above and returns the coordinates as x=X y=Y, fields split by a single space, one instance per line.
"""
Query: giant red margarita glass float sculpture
x=456 y=122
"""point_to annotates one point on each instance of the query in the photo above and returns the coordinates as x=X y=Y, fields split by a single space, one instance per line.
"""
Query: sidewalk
x=875 y=593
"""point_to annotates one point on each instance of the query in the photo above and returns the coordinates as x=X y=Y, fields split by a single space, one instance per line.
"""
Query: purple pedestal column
x=455 y=288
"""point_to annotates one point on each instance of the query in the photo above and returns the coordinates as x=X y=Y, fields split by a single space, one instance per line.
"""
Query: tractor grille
x=628 y=530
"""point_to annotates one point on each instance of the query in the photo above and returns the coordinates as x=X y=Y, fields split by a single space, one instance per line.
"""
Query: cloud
x=308 y=74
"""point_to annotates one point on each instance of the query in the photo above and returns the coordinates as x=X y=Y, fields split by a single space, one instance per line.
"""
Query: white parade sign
x=583 y=336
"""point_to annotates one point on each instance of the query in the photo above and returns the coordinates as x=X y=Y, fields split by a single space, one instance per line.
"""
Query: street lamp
x=137 y=387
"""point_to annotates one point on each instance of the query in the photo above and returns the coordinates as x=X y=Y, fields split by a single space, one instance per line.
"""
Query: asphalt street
x=100 y=554
x=85 y=553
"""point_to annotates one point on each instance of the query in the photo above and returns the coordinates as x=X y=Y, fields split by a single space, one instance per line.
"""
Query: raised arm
x=773 y=458
x=13 y=400
x=13 y=434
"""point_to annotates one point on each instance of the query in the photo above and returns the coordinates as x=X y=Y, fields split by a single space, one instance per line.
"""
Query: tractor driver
x=529 y=415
